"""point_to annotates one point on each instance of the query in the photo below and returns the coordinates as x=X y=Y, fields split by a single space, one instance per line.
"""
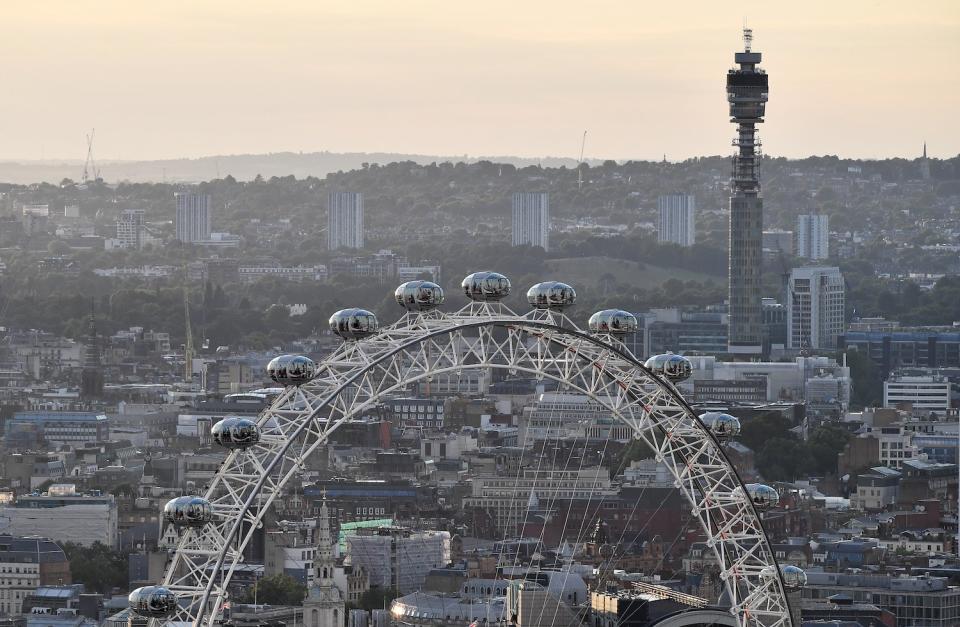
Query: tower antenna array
x=90 y=166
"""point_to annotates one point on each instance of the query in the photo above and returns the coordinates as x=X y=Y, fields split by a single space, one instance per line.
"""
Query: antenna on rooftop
x=747 y=36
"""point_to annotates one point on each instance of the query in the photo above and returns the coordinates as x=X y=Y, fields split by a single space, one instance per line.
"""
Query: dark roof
x=30 y=550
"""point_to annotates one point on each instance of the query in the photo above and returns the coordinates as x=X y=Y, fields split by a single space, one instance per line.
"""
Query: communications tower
x=747 y=96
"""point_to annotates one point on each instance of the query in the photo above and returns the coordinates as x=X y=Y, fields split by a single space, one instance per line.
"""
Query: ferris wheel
x=375 y=362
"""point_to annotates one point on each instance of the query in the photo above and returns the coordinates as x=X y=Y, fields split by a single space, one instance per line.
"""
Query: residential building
x=131 y=229
x=876 y=489
x=815 y=308
x=193 y=217
x=344 y=220
x=813 y=236
x=531 y=219
x=397 y=558
x=25 y=565
x=676 y=219
x=417 y=412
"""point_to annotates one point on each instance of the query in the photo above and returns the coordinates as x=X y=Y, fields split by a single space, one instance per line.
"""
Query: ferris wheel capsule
x=674 y=367
x=613 y=321
x=234 y=432
x=723 y=426
x=152 y=602
x=354 y=324
x=419 y=295
x=188 y=511
x=486 y=286
x=762 y=496
x=291 y=369
x=794 y=578
x=551 y=295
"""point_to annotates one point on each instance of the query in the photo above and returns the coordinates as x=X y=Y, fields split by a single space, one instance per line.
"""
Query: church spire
x=324 y=560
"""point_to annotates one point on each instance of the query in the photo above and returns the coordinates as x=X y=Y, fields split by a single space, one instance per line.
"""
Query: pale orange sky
x=192 y=78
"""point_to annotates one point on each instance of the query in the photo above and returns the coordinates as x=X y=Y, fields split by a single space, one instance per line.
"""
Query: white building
x=40 y=211
x=344 y=220
x=813 y=236
x=816 y=380
x=193 y=217
x=676 y=221
x=531 y=219
x=815 y=308
x=130 y=229
x=397 y=558
x=925 y=394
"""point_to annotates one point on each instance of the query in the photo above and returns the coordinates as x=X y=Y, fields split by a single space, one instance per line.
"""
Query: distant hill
x=240 y=167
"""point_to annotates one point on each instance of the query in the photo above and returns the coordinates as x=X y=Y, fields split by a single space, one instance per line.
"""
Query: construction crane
x=188 y=345
x=583 y=144
x=90 y=166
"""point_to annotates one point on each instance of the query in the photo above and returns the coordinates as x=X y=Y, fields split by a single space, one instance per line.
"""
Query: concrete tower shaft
x=747 y=90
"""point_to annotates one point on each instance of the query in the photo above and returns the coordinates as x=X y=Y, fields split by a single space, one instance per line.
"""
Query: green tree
x=758 y=431
x=280 y=589
x=98 y=567
x=825 y=443
x=865 y=380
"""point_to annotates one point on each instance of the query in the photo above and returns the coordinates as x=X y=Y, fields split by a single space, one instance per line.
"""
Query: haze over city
x=467 y=314
x=187 y=79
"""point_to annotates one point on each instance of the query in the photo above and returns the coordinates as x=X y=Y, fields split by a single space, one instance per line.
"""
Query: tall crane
x=583 y=144
x=90 y=166
x=188 y=345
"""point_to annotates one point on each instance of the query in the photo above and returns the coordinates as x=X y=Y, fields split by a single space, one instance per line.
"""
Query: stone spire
x=323 y=605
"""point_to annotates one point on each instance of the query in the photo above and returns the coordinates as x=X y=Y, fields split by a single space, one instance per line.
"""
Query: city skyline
x=452 y=88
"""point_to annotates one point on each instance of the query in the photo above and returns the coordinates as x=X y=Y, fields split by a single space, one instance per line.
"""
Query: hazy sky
x=192 y=78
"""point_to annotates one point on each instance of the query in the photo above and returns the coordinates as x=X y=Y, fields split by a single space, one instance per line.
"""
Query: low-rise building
x=27 y=563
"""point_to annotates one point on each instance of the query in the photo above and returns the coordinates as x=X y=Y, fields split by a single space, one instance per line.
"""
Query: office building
x=130 y=229
x=193 y=217
x=676 y=219
x=63 y=515
x=923 y=394
x=397 y=558
x=344 y=220
x=813 y=236
x=747 y=93
x=815 y=308
x=27 y=429
x=914 y=600
x=25 y=565
x=907 y=347
x=531 y=219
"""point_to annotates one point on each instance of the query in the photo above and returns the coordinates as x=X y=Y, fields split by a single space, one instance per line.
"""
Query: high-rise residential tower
x=813 y=236
x=676 y=219
x=531 y=219
x=130 y=228
x=193 y=217
x=344 y=220
x=747 y=97
x=815 y=308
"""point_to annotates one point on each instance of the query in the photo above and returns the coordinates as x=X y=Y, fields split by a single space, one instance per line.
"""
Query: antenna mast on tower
x=90 y=166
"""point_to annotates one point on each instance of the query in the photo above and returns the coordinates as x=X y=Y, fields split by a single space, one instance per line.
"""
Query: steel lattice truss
x=482 y=335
